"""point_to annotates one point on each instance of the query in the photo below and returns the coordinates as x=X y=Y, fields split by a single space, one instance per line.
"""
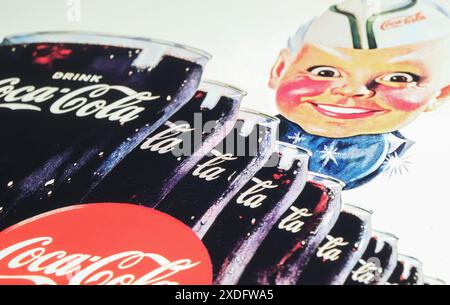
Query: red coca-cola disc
x=105 y=243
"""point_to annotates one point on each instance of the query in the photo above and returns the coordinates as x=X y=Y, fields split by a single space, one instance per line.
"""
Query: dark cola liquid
x=295 y=235
x=375 y=264
x=198 y=198
x=245 y=221
x=405 y=274
x=338 y=253
x=164 y=157
x=64 y=132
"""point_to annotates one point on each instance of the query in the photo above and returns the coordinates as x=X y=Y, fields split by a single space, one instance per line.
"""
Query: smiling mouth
x=345 y=112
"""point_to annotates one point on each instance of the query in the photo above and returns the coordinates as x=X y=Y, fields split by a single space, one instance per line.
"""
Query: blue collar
x=353 y=160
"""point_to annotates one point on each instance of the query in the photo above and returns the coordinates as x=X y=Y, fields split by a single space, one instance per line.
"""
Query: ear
x=441 y=98
x=281 y=64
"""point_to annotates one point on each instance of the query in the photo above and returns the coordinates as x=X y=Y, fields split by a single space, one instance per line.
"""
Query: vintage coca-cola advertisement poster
x=224 y=143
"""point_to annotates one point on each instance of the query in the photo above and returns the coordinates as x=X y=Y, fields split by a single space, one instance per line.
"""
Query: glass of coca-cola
x=378 y=261
x=73 y=105
x=201 y=195
x=408 y=271
x=341 y=249
x=151 y=170
x=243 y=224
x=294 y=238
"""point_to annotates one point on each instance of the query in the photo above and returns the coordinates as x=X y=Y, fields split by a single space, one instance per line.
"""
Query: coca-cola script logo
x=85 y=101
x=400 y=21
x=103 y=244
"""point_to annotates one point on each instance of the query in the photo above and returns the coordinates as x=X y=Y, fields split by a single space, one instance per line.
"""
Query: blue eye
x=324 y=71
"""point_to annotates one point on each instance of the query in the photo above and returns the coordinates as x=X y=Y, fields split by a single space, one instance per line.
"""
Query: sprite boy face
x=341 y=92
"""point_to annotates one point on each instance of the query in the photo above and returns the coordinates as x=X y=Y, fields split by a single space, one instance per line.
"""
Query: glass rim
x=100 y=38
x=408 y=258
x=353 y=207
x=269 y=118
x=226 y=89
x=384 y=234
x=434 y=279
x=290 y=145
x=326 y=178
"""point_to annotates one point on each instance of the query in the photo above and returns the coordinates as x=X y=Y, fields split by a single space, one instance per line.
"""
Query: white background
x=244 y=37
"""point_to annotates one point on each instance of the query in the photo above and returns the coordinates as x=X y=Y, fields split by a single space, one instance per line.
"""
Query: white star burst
x=396 y=165
x=329 y=153
x=296 y=138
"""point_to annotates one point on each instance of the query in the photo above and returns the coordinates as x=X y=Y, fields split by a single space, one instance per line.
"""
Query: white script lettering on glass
x=209 y=169
x=166 y=140
x=330 y=250
x=252 y=197
x=84 y=101
x=366 y=272
x=292 y=222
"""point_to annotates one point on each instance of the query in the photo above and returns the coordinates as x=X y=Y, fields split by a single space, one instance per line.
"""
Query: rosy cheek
x=290 y=93
x=404 y=99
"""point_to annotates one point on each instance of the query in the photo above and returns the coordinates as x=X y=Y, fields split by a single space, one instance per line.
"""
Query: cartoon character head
x=365 y=67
